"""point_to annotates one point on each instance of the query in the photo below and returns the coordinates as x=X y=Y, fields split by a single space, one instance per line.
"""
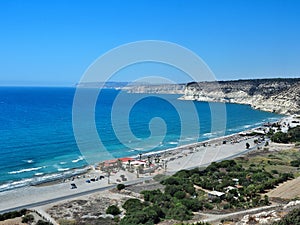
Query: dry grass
x=14 y=221
x=287 y=190
x=278 y=160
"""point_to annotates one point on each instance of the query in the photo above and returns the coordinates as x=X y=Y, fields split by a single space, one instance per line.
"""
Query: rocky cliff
x=273 y=95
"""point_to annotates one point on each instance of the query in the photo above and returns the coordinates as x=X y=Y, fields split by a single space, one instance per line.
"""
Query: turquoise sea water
x=37 y=141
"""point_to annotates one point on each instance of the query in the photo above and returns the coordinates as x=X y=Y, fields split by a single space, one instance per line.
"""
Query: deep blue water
x=37 y=140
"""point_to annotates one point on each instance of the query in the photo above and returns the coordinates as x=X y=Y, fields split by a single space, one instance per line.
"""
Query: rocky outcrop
x=273 y=95
x=156 y=88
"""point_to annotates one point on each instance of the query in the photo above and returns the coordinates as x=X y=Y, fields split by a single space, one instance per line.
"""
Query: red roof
x=126 y=159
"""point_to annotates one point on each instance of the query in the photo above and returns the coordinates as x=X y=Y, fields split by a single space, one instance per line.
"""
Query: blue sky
x=53 y=42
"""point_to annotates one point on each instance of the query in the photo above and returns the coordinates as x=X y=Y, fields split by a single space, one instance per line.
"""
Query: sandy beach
x=171 y=160
x=182 y=157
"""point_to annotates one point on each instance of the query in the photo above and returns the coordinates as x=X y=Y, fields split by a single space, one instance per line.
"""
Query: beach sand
x=183 y=157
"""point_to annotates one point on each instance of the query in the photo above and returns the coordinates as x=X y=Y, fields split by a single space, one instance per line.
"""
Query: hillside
x=273 y=95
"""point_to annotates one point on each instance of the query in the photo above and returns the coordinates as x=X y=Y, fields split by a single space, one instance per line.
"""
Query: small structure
x=215 y=194
x=229 y=188
x=126 y=159
x=108 y=165
x=236 y=181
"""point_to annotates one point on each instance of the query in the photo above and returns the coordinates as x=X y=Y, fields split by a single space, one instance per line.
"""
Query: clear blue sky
x=53 y=42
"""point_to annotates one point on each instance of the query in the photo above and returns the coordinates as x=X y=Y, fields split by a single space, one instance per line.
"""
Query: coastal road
x=74 y=195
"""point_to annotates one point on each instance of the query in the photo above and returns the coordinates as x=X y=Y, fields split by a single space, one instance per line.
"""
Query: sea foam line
x=25 y=170
x=80 y=158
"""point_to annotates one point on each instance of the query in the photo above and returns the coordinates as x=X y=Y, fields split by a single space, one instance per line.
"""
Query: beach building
x=108 y=165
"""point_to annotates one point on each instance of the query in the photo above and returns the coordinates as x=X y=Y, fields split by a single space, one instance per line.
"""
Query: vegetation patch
x=222 y=186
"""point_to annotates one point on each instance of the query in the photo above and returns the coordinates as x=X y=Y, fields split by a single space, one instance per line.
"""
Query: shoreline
x=74 y=173
x=182 y=157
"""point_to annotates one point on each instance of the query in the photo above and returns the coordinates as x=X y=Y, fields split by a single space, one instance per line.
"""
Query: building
x=215 y=194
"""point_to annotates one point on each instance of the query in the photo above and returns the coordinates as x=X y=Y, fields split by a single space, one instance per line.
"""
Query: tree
x=172 y=189
x=266 y=200
x=120 y=187
x=132 y=204
x=179 y=194
x=154 y=196
x=28 y=218
x=189 y=188
x=192 y=204
x=179 y=212
x=247 y=145
x=280 y=137
x=291 y=218
x=113 y=210
x=172 y=181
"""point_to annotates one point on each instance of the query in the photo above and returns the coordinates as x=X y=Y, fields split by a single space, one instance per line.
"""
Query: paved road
x=75 y=195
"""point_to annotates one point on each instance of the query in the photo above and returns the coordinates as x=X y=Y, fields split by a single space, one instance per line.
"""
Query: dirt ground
x=287 y=190
x=12 y=221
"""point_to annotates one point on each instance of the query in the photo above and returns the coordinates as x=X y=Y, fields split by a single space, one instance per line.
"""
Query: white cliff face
x=273 y=95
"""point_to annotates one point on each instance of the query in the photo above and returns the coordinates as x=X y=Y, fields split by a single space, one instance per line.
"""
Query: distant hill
x=273 y=95
x=280 y=95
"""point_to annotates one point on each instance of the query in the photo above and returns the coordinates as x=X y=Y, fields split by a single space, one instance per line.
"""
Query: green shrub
x=179 y=194
x=120 y=187
x=42 y=222
x=226 y=206
x=113 y=210
x=295 y=163
x=133 y=204
x=192 y=204
x=28 y=218
x=13 y=214
x=291 y=218
x=172 y=189
x=208 y=206
x=179 y=212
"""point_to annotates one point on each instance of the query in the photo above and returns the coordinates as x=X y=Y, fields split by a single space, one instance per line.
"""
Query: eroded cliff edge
x=273 y=95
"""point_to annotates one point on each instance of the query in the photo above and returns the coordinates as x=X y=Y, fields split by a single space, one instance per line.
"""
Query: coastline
x=182 y=157
x=59 y=177
x=63 y=176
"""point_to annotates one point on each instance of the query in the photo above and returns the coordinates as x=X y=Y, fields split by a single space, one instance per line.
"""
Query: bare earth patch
x=15 y=221
x=287 y=190
x=88 y=210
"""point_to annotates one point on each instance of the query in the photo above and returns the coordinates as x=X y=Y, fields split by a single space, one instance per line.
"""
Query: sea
x=38 y=144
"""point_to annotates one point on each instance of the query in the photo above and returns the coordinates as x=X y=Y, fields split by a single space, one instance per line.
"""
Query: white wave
x=25 y=170
x=62 y=163
x=80 y=158
x=63 y=169
x=173 y=142
x=28 y=161
x=208 y=135
x=38 y=174
x=40 y=179
x=190 y=139
x=15 y=184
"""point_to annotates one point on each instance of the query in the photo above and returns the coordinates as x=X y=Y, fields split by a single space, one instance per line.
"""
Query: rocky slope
x=156 y=88
x=273 y=95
